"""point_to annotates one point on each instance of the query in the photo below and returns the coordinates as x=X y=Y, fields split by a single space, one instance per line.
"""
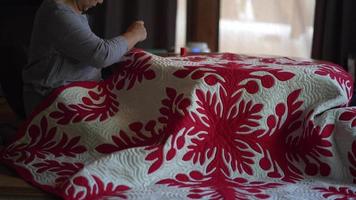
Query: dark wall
x=107 y=20
x=16 y=18
x=114 y=16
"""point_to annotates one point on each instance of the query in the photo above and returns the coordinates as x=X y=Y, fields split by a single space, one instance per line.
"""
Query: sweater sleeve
x=74 y=38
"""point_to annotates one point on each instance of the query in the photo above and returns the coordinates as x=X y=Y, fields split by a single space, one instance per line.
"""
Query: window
x=273 y=27
x=181 y=25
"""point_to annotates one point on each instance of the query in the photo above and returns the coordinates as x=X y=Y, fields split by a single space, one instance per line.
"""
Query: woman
x=63 y=48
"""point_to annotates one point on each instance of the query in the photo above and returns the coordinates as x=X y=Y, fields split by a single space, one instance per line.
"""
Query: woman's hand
x=135 y=33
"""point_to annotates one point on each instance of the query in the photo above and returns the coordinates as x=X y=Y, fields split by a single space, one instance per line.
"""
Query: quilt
x=214 y=126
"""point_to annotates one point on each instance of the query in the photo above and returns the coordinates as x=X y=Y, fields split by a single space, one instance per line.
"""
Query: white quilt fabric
x=216 y=126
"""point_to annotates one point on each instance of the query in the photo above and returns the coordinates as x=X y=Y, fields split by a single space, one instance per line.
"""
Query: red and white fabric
x=216 y=126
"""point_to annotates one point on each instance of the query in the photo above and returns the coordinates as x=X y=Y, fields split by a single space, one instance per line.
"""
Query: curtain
x=16 y=19
x=114 y=16
x=334 y=31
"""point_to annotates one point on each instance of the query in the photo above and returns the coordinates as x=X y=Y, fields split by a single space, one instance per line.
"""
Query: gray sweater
x=63 y=49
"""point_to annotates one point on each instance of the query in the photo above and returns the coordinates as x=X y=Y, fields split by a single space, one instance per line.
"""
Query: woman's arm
x=135 y=33
x=75 y=39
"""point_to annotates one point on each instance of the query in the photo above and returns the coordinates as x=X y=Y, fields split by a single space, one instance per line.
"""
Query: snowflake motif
x=341 y=193
x=93 y=191
x=42 y=143
x=223 y=131
x=236 y=119
x=134 y=67
x=217 y=186
x=352 y=159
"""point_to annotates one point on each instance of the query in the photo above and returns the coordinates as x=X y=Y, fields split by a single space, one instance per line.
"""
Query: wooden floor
x=13 y=187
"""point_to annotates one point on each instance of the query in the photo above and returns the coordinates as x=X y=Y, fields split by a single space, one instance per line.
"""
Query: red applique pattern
x=216 y=126
x=94 y=191
x=341 y=193
x=206 y=186
x=42 y=143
